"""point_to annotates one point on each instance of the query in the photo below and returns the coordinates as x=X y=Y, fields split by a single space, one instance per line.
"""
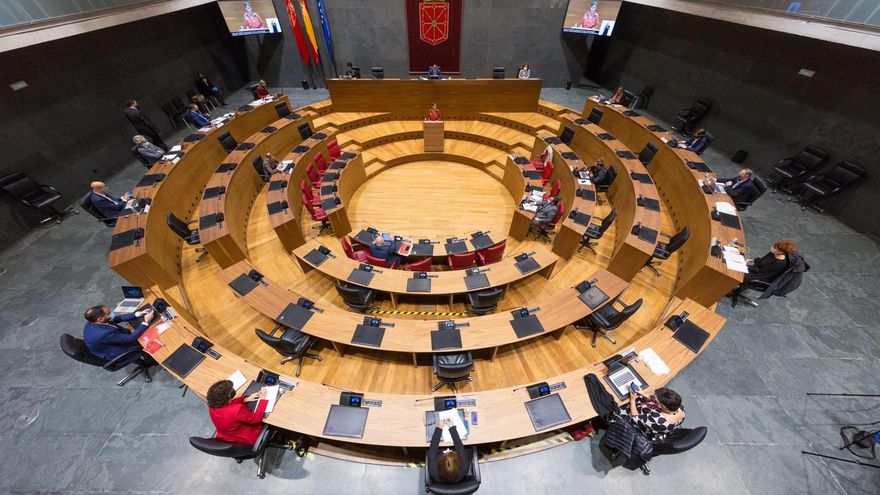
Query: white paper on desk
x=271 y=396
x=217 y=121
x=537 y=196
x=584 y=182
x=735 y=261
x=452 y=415
x=206 y=129
x=238 y=379
x=731 y=250
x=654 y=362
x=176 y=147
x=530 y=207
x=161 y=327
x=725 y=207
x=171 y=157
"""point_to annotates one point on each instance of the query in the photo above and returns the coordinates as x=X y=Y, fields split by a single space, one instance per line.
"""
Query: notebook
x=649 y=235
x=547 y=412
x=360 y=277
x=364 y=237
x=183 y=360
x=315 y=257
x=691 y=336
x=587 y=194
x=446 y=339
x=294 y=317
x=527 y=265
x=243 y=285
x=626 y=154
x=651 y=204
x=729 y=220
x=368 y=335
x=418 y=285
x=422 y=250
x=346 y=421
x=482 y=241
x=457 y=247
x=593 y=297
x=620 y=379
x=479 y=281
x=524 y=327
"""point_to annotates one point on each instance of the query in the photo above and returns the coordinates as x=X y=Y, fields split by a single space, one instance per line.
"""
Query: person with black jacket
x=449 y=466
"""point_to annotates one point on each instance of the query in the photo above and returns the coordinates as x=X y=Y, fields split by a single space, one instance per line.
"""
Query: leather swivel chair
x=309 y=193
x=690 y=117
x=664 y=250
x=380 y=262
x=647 y=153
x=227 y=141
x=542 y=231
x=498 y=72
x=292 y=344
x=484 y=301
x=595 y=116
x=760 y=188
x=355 y=297
x=282 y=109
x=468 y=485
x=827 y=184
x=258 y=166
x=452 y=368
x=146 y=162
x=86 y=204
x=612 y=174
x=359 y=255
x=76 y=349
x=789 y=171
x=190 y=236
x=680 y=440
x=595 y=232
x=30 y=193
x=317 y=214
x=240 y=451
x=607 y=318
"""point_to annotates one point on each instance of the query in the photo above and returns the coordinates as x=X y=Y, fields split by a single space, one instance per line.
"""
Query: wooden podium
x=433 y=136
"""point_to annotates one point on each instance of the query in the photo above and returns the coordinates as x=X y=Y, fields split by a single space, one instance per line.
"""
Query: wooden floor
x=419 y=199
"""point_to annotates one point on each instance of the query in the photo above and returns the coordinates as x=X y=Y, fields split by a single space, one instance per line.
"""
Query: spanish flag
x=307 y=21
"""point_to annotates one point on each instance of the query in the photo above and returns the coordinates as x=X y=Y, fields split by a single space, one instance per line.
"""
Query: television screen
x=244 y=17
x=591 y=17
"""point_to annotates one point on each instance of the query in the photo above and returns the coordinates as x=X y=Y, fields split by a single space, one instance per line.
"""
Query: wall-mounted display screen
x=244 y=17
x=591 y=17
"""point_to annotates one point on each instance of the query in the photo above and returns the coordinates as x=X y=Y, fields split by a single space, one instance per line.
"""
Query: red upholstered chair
x=313 y=174
x=492 y=254
x=321 y=163
x=546 y=173
x=557 y=185
x=317 y=214
x=359 y=255
x=422 y=265
x=537 y=164
x=461 y=261
x=379 y=261
x=333 y=150
x=307 y=192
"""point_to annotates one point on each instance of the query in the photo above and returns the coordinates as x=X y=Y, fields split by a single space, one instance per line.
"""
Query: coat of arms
x=433 y=22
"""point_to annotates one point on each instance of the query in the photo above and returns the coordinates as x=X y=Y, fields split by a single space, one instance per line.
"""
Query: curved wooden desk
x=446 y=283
x=226 y=239
x=701 y=276
x=342 y=179
x=154 y=259
x=438 y=249
x=399 y=422
x=489 y=332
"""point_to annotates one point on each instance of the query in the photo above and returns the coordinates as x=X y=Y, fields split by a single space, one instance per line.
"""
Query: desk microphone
x=432 y=276
x=384 y=324
x=424 y=399
x=331 y=386
x=530 y=253
x=535 y=310
x=462 y=324
x=317 y=309
x=373 y=270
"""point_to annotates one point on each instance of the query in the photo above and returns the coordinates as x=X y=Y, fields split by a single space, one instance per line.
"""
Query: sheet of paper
x=725 y=207
x=584 y=182
x=161 y=327
x=452 y=415
x=735 y=261
x=176 y=147
x=537 y=196
x=238 y=379
x=271 y=396
x=530 y=207
x=654 y=362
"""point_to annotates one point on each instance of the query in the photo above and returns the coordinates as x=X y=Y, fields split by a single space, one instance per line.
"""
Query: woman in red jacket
x=232 y=418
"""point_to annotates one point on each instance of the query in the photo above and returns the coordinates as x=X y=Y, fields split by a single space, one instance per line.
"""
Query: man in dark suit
x=434 y=72
x=378 y=249
x=598 y=173
x=739 y=188
x=104 y=202
x=143 y=124
x=106 y=339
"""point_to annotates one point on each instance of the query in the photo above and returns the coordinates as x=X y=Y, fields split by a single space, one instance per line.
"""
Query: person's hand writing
x=262 y=394
x=445 y=424
x=254 y=396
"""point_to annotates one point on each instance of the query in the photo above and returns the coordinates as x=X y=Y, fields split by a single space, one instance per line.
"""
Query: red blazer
x=236 y=423
x=262 y=92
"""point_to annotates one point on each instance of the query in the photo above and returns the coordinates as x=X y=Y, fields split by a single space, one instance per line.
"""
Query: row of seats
x=798 y=177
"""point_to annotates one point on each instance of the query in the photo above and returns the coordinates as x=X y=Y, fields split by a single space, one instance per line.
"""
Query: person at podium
x=591 y=17
x=262 y=89
x=434 y=113
x=524 y=72
x=434 y=72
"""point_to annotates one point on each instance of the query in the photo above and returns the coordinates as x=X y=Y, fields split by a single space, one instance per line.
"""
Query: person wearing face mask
x=142 y=124
x=656 y=416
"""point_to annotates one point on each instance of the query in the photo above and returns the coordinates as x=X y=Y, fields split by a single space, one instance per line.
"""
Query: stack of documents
x=725 y=207
x=654 y=362
x=529 y=207
x=735 y=260
x=536 y=196
x=452 y=415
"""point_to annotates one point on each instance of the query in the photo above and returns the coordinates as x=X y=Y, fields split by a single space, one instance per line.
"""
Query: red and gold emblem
x=434 y=22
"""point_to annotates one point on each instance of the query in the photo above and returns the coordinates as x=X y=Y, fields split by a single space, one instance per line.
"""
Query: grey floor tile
x=45 y=463
x=752 y=420
x=770 y=469
x=61 y=409
x=838 y=341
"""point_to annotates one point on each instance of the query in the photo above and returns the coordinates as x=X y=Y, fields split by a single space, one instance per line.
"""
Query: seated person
x=147 y=150
x=546 y=212
x=231 y=417
x=698 y=143
x=104 y=202
x=739 y=188
x=524 y=72
x=106 y=339
x=598 y=173
x=434 y=113
x=208 y=89
x=618 y=95
x=262 y=89
x=379 y=249
x=771 y=265
x=434 y=72
x=449 y=466
x=350 y=72
x=270 y=164
x=198 y=118
x=656 y=416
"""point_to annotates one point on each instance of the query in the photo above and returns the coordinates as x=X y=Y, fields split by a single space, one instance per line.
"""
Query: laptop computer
x=134 y=297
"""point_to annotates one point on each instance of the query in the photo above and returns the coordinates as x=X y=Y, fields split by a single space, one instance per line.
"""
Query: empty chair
x=321 y=164
x=422 y=265
x=333 y=150
x=595 y=232
x=189 y=235
x=240 y=451
x=200 y=100
x=76 y=349
x=603 y=188
x=608 y=318
x=567 y=135
x=542 y=231
x=258 y=166
x=643 y=98
x=664 y=250
x=452 y=368
x=317 y=214
x=359 y=255
x=86 y=204
x=312 y=173
x=356 y=297
x=498 y=73
x=790 y=171
x=380 y=262
x=647 y=153
x=546 y=172
x=492 y=254
x=175 y=116
x=377 y=73
x=227 y=141
x=595 y=115
x=282 y=109
x=468 y=485
x=826 y=184
x=689 y=117
x=760 y=189
x=292 y=344
x=554 y=190
x=680 y=440
x=484 y=301
x=628 y=99
x=31 y=193
x=307 y=192
x=461 y=261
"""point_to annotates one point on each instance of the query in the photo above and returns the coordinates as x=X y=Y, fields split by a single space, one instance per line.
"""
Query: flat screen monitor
x=591 y=17
x=249 y=17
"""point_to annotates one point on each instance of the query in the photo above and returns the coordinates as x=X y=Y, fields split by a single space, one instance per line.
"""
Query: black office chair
x=190 y=236
x=200 y=100
x=77 y=349
x=760 y=188
x=664 y=250
x=86 y=204
x=498 y=73
x=607 y=318
x=147 y=162
x=258 y=166
x=30 y=193
x=469 y=484
x=182 y=108
x=690 y=117
x=377 y=73
x=789 y=171
x=227 y=141
x=628 y=99
x=282 y=109
x=595 y=115
x=355 y=297
x=452 y=368
x=647 y=153
x=819 y=187
x=680 y=440
x=643 y=98
x=241 y=451
x=293 y=344
x=612 y=174
x=595 y=232
x=484 y=301
x=174 y=115
x=738 y=295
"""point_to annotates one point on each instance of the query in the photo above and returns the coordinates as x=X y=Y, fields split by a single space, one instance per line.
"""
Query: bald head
x=97 y=186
